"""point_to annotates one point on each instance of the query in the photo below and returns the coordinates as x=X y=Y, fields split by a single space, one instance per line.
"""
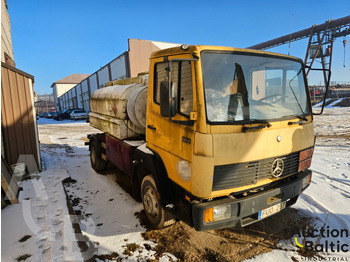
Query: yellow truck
x=214 y=136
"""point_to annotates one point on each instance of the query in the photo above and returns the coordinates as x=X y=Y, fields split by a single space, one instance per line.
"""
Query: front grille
x=249 y=173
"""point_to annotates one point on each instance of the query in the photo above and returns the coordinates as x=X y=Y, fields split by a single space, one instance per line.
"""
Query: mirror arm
x=327 y=87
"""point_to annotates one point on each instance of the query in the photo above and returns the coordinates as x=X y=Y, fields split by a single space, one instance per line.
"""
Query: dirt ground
x=230 y=244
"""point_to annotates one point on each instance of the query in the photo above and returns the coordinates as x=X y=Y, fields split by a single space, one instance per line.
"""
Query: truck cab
x=229 y=135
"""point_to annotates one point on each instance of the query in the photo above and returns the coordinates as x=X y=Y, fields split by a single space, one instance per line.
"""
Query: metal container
x=120 y=110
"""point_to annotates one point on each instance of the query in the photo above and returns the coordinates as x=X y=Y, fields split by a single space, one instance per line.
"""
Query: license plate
x=271 y=210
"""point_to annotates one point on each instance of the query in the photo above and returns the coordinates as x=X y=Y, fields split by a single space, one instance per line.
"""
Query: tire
x=97 y=163
x=155 y=213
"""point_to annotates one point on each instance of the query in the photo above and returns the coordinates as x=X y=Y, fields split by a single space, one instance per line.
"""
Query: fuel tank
x=120 y=109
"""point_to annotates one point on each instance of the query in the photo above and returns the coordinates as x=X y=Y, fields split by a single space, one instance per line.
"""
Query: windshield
x=249 y=87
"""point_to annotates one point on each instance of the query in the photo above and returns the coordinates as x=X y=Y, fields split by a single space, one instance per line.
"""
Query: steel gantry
x=320 y=45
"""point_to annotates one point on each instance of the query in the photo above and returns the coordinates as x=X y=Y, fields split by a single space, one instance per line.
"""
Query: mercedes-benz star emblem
x=277 y=167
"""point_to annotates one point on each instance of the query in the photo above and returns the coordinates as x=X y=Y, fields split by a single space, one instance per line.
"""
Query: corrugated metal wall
x=128 y=64
x=18 y=119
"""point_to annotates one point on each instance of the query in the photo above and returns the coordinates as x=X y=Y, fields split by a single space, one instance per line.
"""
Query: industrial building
x=128 y=64
x=63 y=85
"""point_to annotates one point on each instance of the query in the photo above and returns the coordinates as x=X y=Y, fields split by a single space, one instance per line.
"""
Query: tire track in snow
x=312 y=202
x=339 y=180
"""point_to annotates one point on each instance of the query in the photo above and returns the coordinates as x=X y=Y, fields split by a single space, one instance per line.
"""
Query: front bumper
x=245 y=211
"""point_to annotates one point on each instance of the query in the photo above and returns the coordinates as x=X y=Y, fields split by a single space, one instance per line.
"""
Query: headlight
x=217 y=213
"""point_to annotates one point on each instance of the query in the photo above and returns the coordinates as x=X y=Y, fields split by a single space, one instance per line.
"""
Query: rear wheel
x=97 y=163
x=155 y=213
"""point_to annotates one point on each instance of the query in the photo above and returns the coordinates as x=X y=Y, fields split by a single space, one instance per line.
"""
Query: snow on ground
x=50 y=121
x=106 y=213
x=327 y=200
x=320 y=103
x=42 y=218
x=334 y=103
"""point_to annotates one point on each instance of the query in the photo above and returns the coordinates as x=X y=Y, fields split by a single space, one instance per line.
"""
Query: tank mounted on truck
x=214 y=136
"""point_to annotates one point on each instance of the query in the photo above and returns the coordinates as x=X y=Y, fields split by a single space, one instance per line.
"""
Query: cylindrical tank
x=136 y=106
x=120 y=110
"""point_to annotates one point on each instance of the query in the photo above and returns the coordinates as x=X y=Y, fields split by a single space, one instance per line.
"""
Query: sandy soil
x=230 y=244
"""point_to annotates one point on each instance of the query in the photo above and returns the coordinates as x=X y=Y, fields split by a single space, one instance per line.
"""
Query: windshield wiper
x=258 y=121
x=302 y=118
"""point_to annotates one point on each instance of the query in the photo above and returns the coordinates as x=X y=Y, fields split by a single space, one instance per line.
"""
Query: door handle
x=152 y=127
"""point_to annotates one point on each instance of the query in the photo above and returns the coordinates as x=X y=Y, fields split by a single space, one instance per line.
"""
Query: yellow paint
x=212 y=145
x=203 y=145
x=296 y=242
x=170 y=161
x=250 y=146
x=202 y=176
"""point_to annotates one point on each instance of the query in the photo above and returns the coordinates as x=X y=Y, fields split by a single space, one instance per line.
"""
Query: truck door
x=173 y=141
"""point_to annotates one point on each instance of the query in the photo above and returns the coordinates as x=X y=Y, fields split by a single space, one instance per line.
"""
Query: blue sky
x=53 y=39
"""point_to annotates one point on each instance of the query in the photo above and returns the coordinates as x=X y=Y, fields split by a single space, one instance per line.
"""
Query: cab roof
x=197 y=49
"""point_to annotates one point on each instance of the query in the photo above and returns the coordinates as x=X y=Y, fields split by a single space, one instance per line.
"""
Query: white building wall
x=62 y=104
x=67 y=100
x=86 y=102
x=93 y=83
x=72 y=98
x=79 y=95
x=63 y=88
x=84 y=86
x=118 y=69
x=85 y=94
x=60 y=90
x=103 y=76
x=70 y=103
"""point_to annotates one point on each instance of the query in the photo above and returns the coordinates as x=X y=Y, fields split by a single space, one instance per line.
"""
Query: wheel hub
x=151 y=202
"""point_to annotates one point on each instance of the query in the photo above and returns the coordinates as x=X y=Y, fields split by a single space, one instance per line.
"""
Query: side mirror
x=167 y=108
x=173 y=99
x=164 y=99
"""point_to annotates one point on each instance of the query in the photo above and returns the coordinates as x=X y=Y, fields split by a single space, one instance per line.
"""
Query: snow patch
x=144 y=149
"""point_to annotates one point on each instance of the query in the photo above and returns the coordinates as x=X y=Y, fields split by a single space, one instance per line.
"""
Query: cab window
x=181 y=75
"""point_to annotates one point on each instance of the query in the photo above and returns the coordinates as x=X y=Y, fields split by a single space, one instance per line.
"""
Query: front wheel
x=155 y=213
